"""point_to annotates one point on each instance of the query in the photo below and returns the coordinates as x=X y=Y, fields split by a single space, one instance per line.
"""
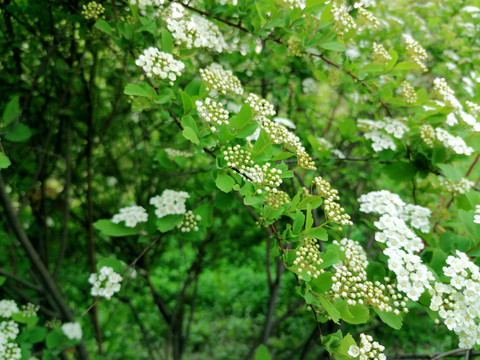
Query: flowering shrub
x=330 y=147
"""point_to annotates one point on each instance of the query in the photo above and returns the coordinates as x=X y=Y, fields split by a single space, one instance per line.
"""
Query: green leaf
x=189 y=134
x=317 y=233
x=400 y=171
x=112 y=262
x=141 y=89
x=333 y=45
x=34 y=335
x=313 y=200
x=298 y=221
x=330 y=257
x=243 y=122
x=261 y=145
x=332 y=341
x=392 y=320
x=104 y=26
x=224 y=182
x=19 y=133
x=107 y=227
x=4 y=161
x=262 y=353
x=331 y=310
x=168 y=222
x=12 y=110
x=355 y=315
x=163 y=97
x=322 y=283
x=450 y=172
x=344 y=347
x=309 y=219
x=407 y=65
x=187 y=102
x=167 y=41
x=55 y=338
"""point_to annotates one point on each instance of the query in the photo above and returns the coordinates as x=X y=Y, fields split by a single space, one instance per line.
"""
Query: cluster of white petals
x=106 y=283
x=8 y=308
x=212 y=112
x=456 y=187
x=9 y=330
x=294 y=4
x=380 y=132
x=457 y=302
x=415 y=52
x=132 y=215
x=456 y=143
x=344 y=22
x=365 y=18
x=72 y=330
x=368 y=349
x=310 y=86
x=160 y=65
x=260 y=107
x=333 y=211
x=380 y=54
x=169 y=203
x=266 y=177
x=445 y=93
x=143 y=4
x=408 y=92
x=476 y=217
x=220 y=80
x=192 y=30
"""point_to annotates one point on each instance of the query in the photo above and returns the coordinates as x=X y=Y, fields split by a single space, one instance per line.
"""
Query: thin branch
x=20 y=280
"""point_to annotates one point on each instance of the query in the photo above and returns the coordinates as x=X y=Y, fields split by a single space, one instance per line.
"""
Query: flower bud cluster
x=456 y=143
x=175 y=152
x=259 y=106
x=344 y=22
x=415 y=52
x=72 y=330
x=365 y=18
x=380 y=54
x=106 y=283
x=350 y=282
x=30 y=310
x=142 y=6
x=476 y=217
x=92 y=11
x=132 y=215
x=266 y=177
x=189 y=222
x=460 y=187
x=159 y=65
x=275 y=200
x=408 y=92
x=445 y=93
x=295 y=46
x=308 y=261
x=279 y=134
x=458 y=301
x=293 y=4
x=170 y=202
x=192 y=30
x=236 y=157
x=333 y=211
x=223 y=81
x=368 y=349
x=212 y=112
x=427 y=133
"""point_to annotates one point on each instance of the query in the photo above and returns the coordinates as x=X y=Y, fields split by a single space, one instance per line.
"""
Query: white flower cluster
x=142 y=6
x=368 y=349
x=223 y=81
x=476 y=217
x=344 y=22
x=192 y=30
x=380 y=54
x=160 y=65
x=212 y=112
x=427 y=133
x=379 y=132
x=415 y=52
x=189 y=222
x=467 y=118
x=324 y=144
x=333 y=211
x=310 y=86
x=365 y=18
x=260 y=107
x=408 y=92
x=458 y=301
x=170 y=202
x=9 y=330
x=266 y=177
x=279 y=134
x=308 y=260
x=294 y=4
x=384 y=202
x=106 y=284
x=445 y=93
x=459 y=187
x=350 y=282
x=132 y=215
x=395 y=233
x=175 y=152
x=30 y=310
x=8 y=308
x=72 y=330
x=456 y=143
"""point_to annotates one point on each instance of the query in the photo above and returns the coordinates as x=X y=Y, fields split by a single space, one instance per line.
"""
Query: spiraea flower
x=192 y=30
x=239 y=158
x=380 y=54
x=143 y=4
x=476 y=217
x=310 y=86
x=275 y=200
x=259 y=106
x=333 y=211
x=92 y=10
x=175 y=152
x=350 y=282
x=169 y=203
x=365 y=18
x=212 y=112
x=455 y=143
x=106 y=283
x=223 y=81
x=295 y=46
x=308 y=259
x=72 y=330
x=408 y=92
x=368 y=349
x=189 y=222
x=266 y=177
x=427 y=133
x=445 y=93
x=379 y=132
x=415 y=52
x=159 y=65
x=344 y=22
x=8 y=308
x=455 y=187
x=293 y=4
x=131 y=215
x=30 y=310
